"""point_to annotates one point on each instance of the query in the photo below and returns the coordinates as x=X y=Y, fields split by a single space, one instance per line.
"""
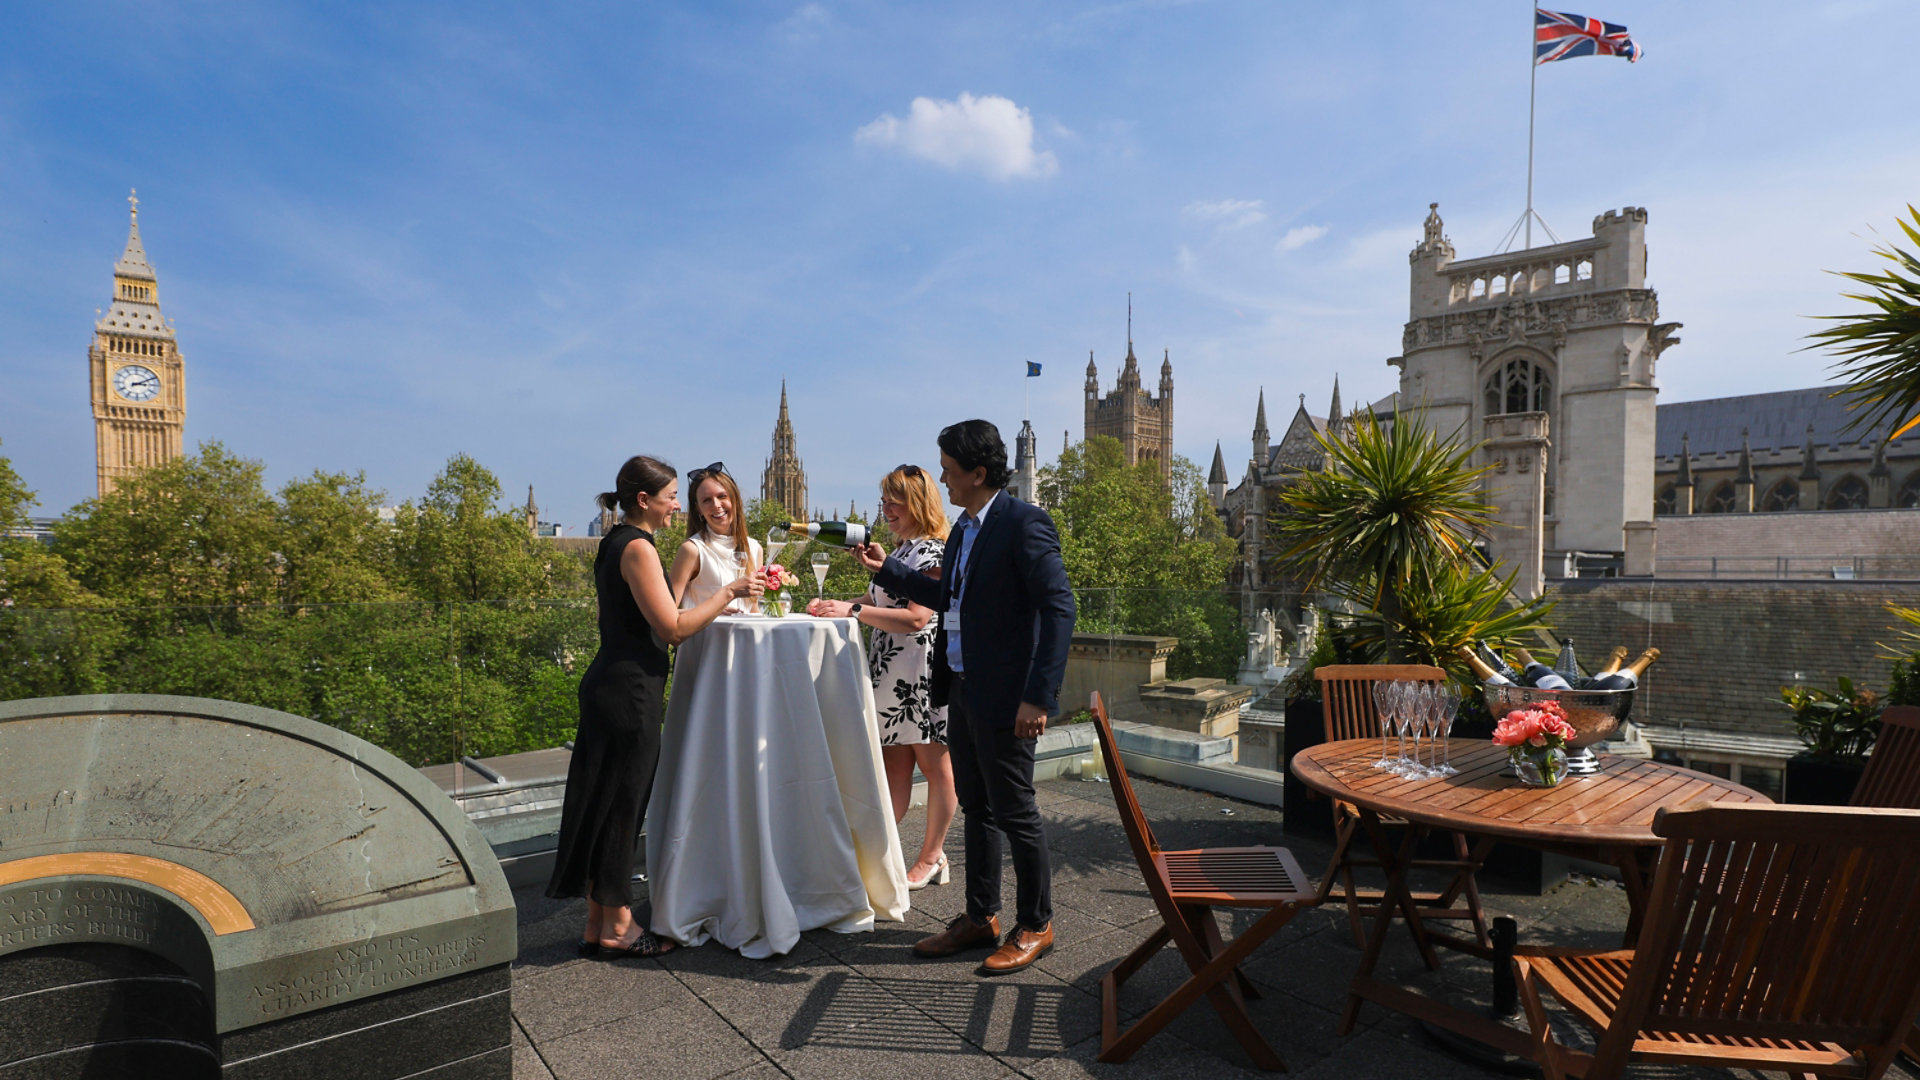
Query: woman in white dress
x=716 y=528
x=899 y=660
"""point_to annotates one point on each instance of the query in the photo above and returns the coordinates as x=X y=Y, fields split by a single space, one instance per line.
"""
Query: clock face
x=136 y=383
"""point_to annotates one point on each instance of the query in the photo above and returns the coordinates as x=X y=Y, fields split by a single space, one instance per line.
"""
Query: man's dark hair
x=974 y=444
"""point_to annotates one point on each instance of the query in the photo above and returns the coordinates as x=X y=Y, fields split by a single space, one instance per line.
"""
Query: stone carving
x=1555 y=316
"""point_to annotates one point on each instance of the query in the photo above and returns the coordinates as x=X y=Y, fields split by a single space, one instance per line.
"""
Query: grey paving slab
x=906 y=1043
x=527 y=1064
x=686 y=1044
x=591 y=993
x=821 y=998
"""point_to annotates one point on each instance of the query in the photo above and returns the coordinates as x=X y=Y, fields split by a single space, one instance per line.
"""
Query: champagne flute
x=1449 y=705
x=742 y=561
x=1383 y=708
x=821 y=561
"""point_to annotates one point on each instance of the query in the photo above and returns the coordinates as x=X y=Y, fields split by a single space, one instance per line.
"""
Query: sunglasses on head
x=715 y=469
x=912 y=471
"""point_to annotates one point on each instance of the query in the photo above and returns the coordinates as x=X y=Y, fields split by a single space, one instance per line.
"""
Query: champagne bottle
x=1492 y=660
x=1538 y=674
x=838 y=533
x=1568 y=665
x=1614 y=659
x=1481 y=671
x=1628 y=677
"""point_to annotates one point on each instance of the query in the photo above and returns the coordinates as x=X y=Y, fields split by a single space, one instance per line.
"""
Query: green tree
x=457 y=544
x=197 y=530
x=55 y=637
x=333 y=546
x=1879 y=349
x=1145 y=557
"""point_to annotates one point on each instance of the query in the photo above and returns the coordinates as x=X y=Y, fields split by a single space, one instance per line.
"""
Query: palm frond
x=1879 y=349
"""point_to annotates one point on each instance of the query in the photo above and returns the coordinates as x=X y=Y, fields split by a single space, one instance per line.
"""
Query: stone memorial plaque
x=322 y=895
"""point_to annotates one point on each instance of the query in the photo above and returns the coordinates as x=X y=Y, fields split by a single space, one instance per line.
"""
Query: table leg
x=1394 y=895
x=1635 y=869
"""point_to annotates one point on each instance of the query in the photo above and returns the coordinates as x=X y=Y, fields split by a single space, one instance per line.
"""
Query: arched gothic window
x=1721 y=501
x=1667 y=502
x=1849 y=494
x=1784 y=495
x=1909 y=496
x=1519 y=385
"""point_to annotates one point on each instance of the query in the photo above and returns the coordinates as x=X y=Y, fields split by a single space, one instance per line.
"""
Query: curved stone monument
x=199 y=888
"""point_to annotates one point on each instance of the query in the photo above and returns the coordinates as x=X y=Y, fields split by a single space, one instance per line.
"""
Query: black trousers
x=993 y=777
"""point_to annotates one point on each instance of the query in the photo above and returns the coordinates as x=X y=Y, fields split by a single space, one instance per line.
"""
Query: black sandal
x=587 y=949
x=647 y=944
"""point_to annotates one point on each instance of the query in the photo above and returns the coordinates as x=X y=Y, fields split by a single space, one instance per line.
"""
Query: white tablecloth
x=770 y=812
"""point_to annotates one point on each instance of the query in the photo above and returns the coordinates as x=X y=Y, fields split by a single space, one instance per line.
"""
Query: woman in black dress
x=621 y=698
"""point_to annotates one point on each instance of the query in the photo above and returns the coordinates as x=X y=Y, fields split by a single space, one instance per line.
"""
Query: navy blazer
x=1016 y=614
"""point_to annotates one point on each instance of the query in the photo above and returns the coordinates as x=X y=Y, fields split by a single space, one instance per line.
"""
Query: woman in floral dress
x=899 y=660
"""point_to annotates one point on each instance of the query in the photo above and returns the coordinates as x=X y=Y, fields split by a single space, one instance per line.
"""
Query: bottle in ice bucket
x=838 y=533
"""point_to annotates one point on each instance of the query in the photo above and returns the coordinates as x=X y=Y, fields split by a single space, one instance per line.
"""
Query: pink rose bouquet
x=1536 y=740
x=779 y=577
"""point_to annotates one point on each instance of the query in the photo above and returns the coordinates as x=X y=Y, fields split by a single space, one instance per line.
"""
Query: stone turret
x=1809 y=475
x=1743 y=477
x=1025 y=485
x=1217 y=477
x=1683 y=482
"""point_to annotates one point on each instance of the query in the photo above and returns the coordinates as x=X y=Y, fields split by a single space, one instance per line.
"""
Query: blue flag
x=1033 y=369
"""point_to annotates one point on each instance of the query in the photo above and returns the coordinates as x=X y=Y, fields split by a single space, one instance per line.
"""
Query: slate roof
x=1777 y=421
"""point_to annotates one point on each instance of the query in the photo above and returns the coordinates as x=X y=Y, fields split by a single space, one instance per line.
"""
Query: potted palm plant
x=1839 y=727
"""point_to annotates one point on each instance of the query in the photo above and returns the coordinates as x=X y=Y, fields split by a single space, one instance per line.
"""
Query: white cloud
x=1230 y=214
x=1300 y=236
x=805 y=24
x=990 y=135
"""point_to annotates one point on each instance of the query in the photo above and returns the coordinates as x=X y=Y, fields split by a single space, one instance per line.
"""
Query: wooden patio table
x=1604 y=817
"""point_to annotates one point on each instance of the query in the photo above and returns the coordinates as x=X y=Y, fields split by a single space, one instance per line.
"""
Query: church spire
x=1217 y=474
x=1260 y=433
x=784 y=482
x=1334 y=415
x=133 y=262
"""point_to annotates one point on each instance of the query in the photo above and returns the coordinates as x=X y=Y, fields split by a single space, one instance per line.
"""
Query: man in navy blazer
x=998 y=659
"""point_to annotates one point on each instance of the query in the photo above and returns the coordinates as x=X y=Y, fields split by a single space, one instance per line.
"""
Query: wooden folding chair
x=1186 y=886
x=1892 y=780
x=1347 y=711
x=1776 y=938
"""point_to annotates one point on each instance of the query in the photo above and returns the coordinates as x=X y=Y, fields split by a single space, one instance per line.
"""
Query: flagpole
x=1533 y=79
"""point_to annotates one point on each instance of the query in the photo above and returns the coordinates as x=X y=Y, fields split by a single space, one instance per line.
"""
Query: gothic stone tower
x=1143 y=423
x=1569 y=333
x=137 y=375
x=784 y=481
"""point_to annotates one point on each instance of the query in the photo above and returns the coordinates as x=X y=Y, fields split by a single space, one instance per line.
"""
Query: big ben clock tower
x=138 y=380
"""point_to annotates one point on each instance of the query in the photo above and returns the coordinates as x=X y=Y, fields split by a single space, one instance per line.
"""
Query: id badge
x=951 y=621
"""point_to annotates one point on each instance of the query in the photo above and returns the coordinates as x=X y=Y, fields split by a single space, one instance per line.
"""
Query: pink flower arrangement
x=779 y=577
x=1543 y=726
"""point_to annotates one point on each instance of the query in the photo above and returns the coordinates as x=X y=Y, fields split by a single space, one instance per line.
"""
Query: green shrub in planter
x=1838 y=727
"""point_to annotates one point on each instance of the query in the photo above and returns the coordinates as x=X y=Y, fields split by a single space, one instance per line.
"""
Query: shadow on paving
x=862 y=1005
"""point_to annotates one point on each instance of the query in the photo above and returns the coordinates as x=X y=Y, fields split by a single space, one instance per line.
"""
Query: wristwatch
x=854 y=612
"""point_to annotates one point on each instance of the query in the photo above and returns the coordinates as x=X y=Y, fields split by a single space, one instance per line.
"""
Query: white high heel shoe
x=940 y=876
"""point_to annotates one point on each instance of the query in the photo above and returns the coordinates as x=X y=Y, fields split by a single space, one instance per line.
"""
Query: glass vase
x=779 y=605
x=1539 y=766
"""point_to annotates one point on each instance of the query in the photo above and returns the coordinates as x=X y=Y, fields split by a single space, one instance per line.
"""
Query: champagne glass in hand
x=742 y=563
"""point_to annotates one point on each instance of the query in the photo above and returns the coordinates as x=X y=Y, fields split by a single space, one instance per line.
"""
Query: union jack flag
x=1558 y=36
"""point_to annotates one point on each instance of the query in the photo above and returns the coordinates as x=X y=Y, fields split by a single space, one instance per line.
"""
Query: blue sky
x=552 y=235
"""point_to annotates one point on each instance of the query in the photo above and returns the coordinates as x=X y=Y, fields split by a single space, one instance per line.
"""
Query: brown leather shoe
x=1023 y=947
x=960 y=935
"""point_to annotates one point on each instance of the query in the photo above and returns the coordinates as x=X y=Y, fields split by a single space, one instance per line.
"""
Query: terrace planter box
x=1303 y=812
x=1815 y=781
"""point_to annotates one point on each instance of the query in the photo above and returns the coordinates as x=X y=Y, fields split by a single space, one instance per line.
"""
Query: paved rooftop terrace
x=851 y=1007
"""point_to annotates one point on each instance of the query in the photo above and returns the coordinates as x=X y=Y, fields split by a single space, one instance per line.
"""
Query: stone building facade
x=1142 y=422
x=1777 y=453
x=137 y=376
x=784 y=480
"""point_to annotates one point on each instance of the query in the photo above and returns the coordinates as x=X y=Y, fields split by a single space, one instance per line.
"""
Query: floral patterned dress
x=901 y=665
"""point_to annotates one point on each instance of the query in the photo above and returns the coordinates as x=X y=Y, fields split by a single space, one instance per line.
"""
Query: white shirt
x=970 y=523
